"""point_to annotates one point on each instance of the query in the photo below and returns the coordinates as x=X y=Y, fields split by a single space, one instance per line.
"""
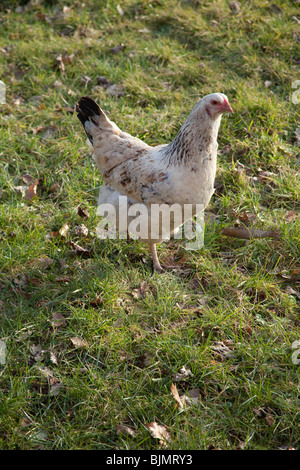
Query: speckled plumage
x=181 y=172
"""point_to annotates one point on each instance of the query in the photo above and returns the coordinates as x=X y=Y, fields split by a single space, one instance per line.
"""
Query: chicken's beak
x=226 y=108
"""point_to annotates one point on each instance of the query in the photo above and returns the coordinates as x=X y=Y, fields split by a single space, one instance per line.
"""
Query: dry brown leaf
x=43 y=262
x=28 y=179
x=292 y=291
x=117 y=49
x=54 y=188
x=182 y=374
x=52 y=235
x=222 y=349
x=289 y=216
x=79 y=250
x=58 y=320
x=103 y=81
x=64 y=230
x=159 y=432
x=83 y=212
x=62 y=280
x=127 y=430
x=55 y=388
x=120 y=10
x=248 y=233
x=36 y=352
x=270 y=420
x=175 y=395
x=140 y=292
x=26 y=422
x=81 y=230
x=286 y=448
x=241 y=168
x=61 y=60
x=20 y=189
x=116 y=90
x=31 y=192
x=79 y=342
x=53 y=358
x=235 y=7
x=191 y=397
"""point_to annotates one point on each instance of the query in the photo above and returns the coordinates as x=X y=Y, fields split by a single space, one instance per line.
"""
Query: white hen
x=182 y=172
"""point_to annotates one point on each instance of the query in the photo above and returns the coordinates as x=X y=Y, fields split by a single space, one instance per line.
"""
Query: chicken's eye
x=214 y=102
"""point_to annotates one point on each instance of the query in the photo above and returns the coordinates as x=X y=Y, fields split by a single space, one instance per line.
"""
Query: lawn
x=100 y=352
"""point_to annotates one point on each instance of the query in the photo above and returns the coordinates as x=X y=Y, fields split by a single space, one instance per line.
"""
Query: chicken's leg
x=156 y=264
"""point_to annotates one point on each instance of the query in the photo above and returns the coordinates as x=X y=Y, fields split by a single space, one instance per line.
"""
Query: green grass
x=244 y=294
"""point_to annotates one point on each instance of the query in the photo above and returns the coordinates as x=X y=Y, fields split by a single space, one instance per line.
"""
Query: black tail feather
x=87 y=109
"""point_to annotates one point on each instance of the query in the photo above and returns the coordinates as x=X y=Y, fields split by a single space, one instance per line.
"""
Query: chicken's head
x=216 y=104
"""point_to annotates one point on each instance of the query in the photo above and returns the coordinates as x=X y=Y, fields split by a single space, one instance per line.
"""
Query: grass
x=87 y=348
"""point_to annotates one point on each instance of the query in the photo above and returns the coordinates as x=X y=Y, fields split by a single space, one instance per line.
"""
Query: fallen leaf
x=58 y=320
x=266 y=176
x=52 y=235
x=248 y=233
x=292 y=291
x=117 y=49
x=235 y=7
x=57 y=84
x=103 y=81
x=81 y=230
x=241 y=168
x=63 y=264
x=289 y=216
x=116 y=90
x=159 y=432
x=292 y=274
x=31 y=192
x=286 y=447
x=28 y=179
x=85 y=80
x=120 y=10
x=20 y=189
x=275 y=8
x=222 y=350
x=127 y=430
x=63 y=280
x=48 y=131
x=140 y=292
x=175 y=395
x=83 y=212
x=43 y=262
x=145 y=30
x=79 y=342
x=265 y=413
x=79 y=250
x=54 y=188
x=53 y=358
x=270 y=420
x=246 y=218
x=36 y=352
x=26 y=422
x=182 y=374
x=64 y=230
x=61 y=60
x=55 y=388
x=191 y=397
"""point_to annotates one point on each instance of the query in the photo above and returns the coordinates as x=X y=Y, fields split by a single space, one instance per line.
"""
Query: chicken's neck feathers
x=196 y=139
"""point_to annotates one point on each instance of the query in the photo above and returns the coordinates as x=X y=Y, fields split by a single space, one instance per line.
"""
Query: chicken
x=181 y=172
